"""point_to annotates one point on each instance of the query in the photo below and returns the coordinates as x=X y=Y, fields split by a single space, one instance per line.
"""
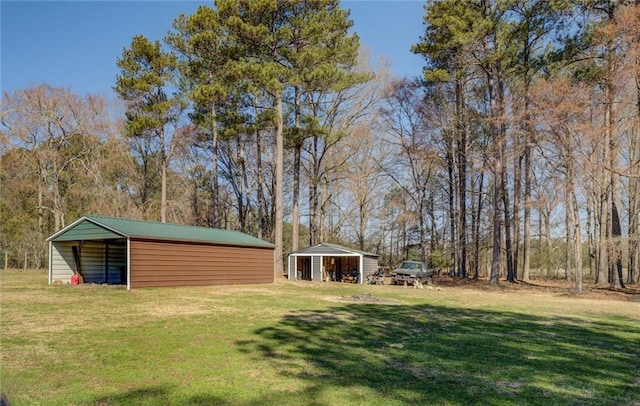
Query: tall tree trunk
x=433 y=230
x=541 y=255
x=548 y=256
x=526 y=232
x=297 y=151
x=163 y=178
x=41 y=205
x=568 y=213
x=260 y=197
x=241 y=181
x=313 y=193
x=634 y=251
x=452 y=204
x=527 y=46
x=476 y=228
x=616 y=262
x=573 y=209
x=56 y=199
x=295 y=214
x=604 y=222
x=503 y=176
x=461 y=156
x=590 y=236
x=496 y=257
x=279 y=187
x=422 y=228
x=517 y=204
x=578 y=243
x=607 y=260
x=362 y=219
x=325 y=217
x=461 y=186
x=215 y=193
x=507 y=223
x=194 y=186
x=634 y=184
x=634 y=231
x=496 y=100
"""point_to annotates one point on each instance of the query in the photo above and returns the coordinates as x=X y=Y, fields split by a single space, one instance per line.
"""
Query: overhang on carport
x=331 y=262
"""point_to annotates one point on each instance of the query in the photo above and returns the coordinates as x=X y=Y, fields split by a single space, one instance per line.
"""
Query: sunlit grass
x=306 y=343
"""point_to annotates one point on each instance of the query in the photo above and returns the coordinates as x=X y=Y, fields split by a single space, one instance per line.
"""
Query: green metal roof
x=91 y=227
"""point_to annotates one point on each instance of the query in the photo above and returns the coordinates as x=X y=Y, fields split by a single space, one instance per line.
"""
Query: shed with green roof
x=139 y=253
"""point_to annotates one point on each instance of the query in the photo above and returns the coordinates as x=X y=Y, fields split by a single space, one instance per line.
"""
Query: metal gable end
x=86 y=229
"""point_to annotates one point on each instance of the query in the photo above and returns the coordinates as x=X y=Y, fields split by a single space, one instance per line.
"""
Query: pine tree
x=145 y=84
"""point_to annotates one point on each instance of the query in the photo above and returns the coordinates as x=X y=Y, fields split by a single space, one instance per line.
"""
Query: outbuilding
x=139 y=254
x=331 y=262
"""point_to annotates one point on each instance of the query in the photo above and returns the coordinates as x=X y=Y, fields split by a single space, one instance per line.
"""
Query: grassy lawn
x=313 y=344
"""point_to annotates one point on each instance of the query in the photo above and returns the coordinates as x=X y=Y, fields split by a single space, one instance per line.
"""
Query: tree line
x=516 y=153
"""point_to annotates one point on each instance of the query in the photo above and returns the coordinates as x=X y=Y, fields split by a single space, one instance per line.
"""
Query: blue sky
x=75 y=43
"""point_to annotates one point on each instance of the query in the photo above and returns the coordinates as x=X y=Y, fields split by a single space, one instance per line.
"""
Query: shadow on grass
x=156 y=395
x=437 y=355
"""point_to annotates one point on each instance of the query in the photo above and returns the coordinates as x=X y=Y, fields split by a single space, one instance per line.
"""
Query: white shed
x=331 y=262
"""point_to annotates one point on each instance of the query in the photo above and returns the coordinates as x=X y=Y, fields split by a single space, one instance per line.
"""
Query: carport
x=331 y=262
x=140 y=253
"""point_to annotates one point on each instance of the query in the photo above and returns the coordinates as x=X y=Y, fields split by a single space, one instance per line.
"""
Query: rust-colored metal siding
x=160 y=263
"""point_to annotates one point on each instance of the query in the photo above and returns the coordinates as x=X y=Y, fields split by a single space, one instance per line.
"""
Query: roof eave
x=205 y=242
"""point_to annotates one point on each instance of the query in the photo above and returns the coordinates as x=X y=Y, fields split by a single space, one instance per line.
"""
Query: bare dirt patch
x=367 y=298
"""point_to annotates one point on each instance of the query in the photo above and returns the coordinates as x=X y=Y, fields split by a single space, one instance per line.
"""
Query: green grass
x=293 y=344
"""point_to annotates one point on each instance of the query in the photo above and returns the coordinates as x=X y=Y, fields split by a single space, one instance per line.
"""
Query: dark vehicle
x=410 y=272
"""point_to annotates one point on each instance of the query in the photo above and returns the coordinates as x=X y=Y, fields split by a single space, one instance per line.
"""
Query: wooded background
x=516 y=154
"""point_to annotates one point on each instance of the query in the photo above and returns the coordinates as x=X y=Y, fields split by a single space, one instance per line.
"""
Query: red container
x=75 y=279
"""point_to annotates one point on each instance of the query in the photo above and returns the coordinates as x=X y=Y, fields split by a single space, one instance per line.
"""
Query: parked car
x=410 y=272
